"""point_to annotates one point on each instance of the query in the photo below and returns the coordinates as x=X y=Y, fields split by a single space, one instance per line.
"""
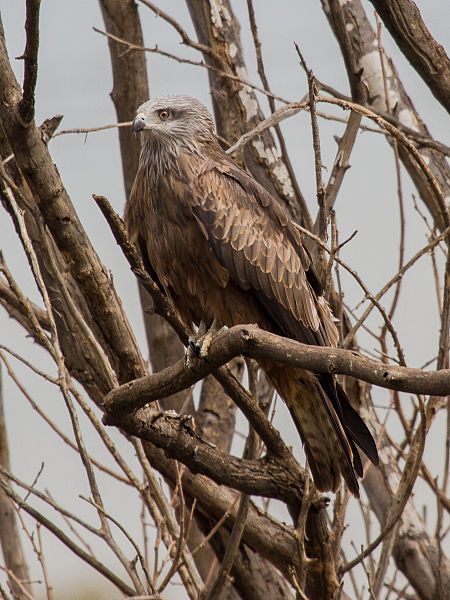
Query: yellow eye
x=163 y=115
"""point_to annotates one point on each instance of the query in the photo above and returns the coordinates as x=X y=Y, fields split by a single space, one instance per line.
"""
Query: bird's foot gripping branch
x=249 y=340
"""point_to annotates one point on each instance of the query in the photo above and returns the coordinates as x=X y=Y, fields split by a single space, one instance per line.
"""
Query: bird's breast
x=177 y=249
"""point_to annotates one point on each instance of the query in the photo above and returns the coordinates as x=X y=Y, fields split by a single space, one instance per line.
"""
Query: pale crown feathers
x=176 y=117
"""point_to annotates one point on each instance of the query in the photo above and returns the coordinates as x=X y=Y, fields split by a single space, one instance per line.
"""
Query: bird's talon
x=201 y=342
x=193 y=345
x=190 y=355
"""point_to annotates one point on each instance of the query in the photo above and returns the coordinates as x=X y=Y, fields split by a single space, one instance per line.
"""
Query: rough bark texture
x=253 y=342
x=403 y=20
x=83 y=264
x=55 y=273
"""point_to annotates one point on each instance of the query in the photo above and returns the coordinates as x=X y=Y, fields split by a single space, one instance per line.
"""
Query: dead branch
x=358 y=93
x=251 y=341
x=86 y=130
x=271 y=97
x=63 y=223
x=432 y=244
x=11 y=544
x=183 y=34
x=403 y=20
x=363 y=40
x=404 y=490
x=26 y=105
x=65 y=539
x=132 y=47
x=322 y=218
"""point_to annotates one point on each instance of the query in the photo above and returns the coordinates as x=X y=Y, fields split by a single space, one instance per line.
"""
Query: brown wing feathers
x=254 y=240
x=223 y=250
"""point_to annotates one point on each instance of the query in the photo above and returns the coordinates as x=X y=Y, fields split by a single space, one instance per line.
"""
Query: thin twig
x=168 y=518
x=85 y=556
x=291 y=109
x=46 y=418
x=53 y=346
x=403 y=139
x=43 y=563
x=20 y=584
x=279 y=115
x=270 y=98
x=188 y=41
x=432 y=244
x=123 y=530
x=320 y=191
x=399 y=195
x=404 y=490
x=368 y=294
x=130 y=47
x=92 y=129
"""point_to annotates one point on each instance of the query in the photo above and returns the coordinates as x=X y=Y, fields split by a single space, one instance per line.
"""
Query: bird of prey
x=226 y=253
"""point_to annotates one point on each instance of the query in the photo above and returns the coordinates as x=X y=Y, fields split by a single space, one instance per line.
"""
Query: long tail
x=329 y=427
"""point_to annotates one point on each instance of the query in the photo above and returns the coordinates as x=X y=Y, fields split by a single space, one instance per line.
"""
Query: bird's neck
x=158 y=156
x=162 y=154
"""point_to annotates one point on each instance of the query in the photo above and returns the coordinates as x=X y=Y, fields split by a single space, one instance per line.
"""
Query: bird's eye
x=164 y=114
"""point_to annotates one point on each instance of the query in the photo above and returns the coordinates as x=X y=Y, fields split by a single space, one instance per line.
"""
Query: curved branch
x=185 y=39
x=291 y=109
x=173 y=433
x=257 y=343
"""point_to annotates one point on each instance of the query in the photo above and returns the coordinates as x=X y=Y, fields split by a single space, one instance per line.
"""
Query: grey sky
x=75 y=80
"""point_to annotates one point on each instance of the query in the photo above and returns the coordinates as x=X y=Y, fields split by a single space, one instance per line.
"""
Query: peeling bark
x=236 y=108
x=364 y=44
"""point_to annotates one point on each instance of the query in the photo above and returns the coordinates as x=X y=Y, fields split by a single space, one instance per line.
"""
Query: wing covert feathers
x=252 y=238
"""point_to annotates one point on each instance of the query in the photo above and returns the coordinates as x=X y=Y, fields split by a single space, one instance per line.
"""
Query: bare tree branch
x=251 y=341
x=403 y=20
x=363 y=41
x=62 y=221
x=11 y=544
x=26 y=105
x=65 y=539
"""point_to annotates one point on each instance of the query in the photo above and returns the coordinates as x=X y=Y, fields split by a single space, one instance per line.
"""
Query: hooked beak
x=138 y=124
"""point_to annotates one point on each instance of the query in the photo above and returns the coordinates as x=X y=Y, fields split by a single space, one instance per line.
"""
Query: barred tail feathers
x=331 y=452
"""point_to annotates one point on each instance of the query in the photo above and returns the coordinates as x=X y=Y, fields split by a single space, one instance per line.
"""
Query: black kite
x=226 y=253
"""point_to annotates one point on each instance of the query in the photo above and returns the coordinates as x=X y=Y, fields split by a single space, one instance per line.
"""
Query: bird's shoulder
x=255 y=239
x=230 y=193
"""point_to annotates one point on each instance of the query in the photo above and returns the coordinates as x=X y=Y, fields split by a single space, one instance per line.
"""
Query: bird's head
x=175 y=119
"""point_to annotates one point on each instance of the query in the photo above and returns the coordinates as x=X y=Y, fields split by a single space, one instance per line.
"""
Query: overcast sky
x=75 y=80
